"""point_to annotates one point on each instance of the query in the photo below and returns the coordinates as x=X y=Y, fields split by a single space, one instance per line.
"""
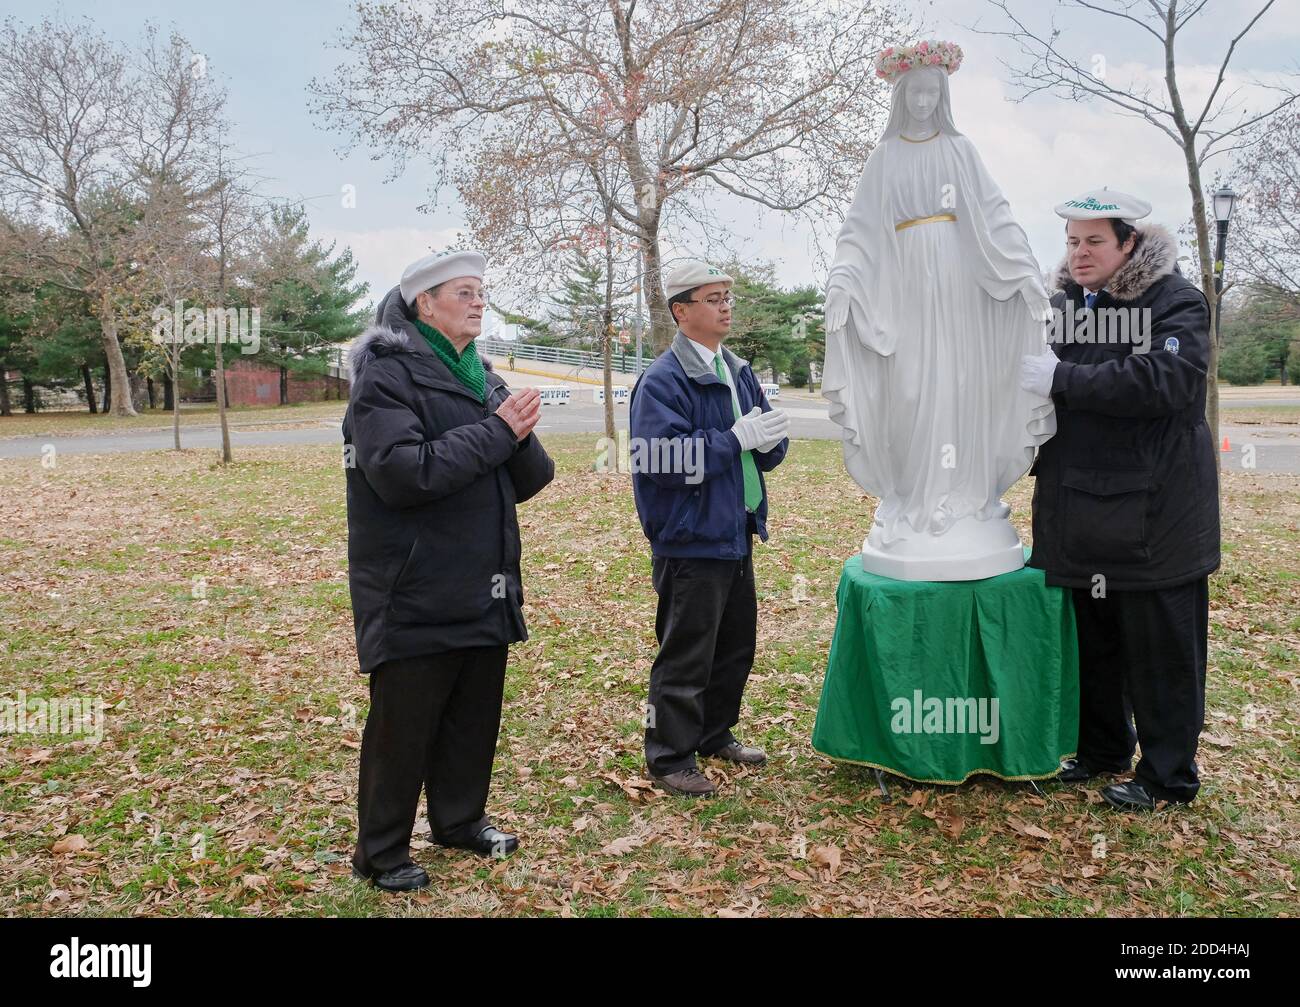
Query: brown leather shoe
x=687 y=782
x=736 y=752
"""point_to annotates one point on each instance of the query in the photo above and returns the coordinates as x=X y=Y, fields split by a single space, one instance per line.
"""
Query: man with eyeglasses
x=438 y=452
x=700 y=401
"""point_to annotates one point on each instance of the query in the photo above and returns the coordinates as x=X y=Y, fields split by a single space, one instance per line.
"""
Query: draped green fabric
x=915 y=668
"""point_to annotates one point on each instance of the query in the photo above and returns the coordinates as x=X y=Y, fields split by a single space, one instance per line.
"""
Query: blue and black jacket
x=701 y=513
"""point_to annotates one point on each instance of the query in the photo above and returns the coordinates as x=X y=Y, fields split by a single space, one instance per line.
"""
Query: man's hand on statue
x=1037 y=371
x=837 y=309
x=776 y=424
x=749 y=430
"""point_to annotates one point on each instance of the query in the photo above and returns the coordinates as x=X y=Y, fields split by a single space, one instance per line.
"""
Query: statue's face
x=921 y=96
x=1094 y=254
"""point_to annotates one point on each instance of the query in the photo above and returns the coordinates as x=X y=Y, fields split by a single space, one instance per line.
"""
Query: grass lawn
x=210 y=608
x=81 y=423
x=1280 y=415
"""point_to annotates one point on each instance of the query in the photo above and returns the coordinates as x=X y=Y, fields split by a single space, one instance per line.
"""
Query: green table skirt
x=937 y=682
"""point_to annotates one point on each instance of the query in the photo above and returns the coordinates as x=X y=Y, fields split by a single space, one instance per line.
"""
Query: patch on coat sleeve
x=1171 y=344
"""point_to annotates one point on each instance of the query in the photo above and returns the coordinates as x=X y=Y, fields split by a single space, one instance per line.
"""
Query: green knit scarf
x=467 y=366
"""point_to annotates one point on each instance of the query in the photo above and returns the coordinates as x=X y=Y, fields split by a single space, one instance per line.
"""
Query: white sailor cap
x=439 y=268
x=1104 y=203
x=691 y=274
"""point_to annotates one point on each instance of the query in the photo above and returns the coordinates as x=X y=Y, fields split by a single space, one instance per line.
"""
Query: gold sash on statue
x=925 y=220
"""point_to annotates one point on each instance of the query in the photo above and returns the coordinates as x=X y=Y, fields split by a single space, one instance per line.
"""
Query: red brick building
x=251 y=384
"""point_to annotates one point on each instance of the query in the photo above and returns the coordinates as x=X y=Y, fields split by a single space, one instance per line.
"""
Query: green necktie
x=753 y=489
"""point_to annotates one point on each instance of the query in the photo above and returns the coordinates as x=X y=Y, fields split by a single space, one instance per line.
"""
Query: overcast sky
x=1040 y=152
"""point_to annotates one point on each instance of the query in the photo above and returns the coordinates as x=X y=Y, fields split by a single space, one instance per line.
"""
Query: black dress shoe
x=1130 y=796
x=1074 y=771
x=405 y=877
x=1078 y=771
x=491 y=842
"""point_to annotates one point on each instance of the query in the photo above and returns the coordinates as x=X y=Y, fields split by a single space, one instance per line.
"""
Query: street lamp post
x=1223 y=203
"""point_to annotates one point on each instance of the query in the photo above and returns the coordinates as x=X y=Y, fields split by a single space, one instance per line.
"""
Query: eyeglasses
x=716 y=302
x=468 y=296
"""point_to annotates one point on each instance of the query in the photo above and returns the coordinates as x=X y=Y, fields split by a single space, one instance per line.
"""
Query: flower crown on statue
x=896 y=60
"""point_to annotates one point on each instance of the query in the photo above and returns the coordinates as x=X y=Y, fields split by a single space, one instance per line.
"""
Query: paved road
x=1226 y=403
x=327 y=432
x=1276 y=448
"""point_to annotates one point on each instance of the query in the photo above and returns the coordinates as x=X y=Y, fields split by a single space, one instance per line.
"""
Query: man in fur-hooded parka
x=1128 y=487
x=1126 y=506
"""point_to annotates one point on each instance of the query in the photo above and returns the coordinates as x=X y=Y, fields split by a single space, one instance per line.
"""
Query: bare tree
x=232 y=214
x=1266 y=227
x=86 y=130
x=772 y=101
x=168 y=251
x=537 y=210
x=1199 y=133
x=171 y=131
x=607 y=332
x=619 y=272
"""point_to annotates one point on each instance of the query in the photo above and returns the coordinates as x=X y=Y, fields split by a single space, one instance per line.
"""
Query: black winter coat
x=1128 y=488
x=433 y=478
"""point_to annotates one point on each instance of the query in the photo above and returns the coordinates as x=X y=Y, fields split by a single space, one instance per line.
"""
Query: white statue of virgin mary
x=933 y=298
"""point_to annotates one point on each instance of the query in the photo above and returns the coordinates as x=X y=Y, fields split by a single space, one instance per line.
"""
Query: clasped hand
x=760 y=431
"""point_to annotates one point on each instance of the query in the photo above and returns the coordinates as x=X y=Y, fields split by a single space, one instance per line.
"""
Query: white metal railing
x=623 y=363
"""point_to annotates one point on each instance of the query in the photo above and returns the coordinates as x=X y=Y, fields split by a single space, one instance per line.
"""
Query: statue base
x=1007 y=642
x=970 y=549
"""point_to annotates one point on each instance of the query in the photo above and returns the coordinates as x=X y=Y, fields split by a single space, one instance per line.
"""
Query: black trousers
x=705 y=624
x=433 y=721
x=1142 y=660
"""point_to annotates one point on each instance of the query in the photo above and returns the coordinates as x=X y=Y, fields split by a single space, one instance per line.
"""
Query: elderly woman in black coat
x=438 y=453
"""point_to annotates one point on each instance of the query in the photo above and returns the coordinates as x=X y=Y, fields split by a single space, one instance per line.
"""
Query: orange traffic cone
x=1225 y=445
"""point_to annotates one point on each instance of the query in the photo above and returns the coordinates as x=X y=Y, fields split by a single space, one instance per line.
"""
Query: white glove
x=837 y=308
x=1036 y=373
x=749 y=430
x=776 y=424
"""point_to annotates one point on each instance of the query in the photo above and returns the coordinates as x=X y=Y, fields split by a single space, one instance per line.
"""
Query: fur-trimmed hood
x=1154 y=256
x=393 y=332
x=376 y=341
